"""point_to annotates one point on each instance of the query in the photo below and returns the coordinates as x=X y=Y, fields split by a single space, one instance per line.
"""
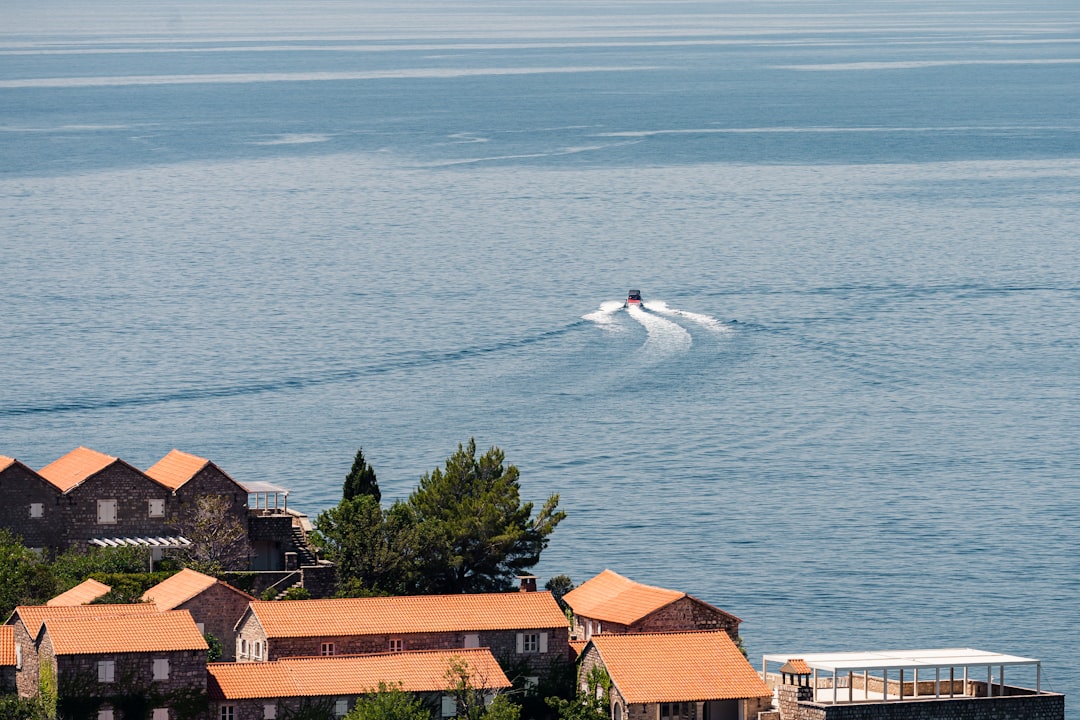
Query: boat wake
x=664 y=333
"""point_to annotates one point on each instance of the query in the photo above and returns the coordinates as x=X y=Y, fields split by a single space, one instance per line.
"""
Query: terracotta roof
x=181 y=587
x=678 y=667
x=7 y=646
x=33 y=616
x=84 y=593
x=578 y=646
x=160 y=632
x=416 y=671
x=75 y=467
x=408 y=614
x=610 y=596
x=176 y=468
x=6 y=462
x=796 y=666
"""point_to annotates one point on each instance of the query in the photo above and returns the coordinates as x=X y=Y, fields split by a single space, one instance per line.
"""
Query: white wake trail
x=605 y=316
x=664 y=335
x=707 y=320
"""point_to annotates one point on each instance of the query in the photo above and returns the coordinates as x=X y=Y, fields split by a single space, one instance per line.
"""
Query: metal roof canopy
x=262 y=487
x=897 y=659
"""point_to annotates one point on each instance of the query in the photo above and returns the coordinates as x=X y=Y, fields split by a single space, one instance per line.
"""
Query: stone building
x=154 y=660
x=611 y=603
x=274 y=689
x=7 y=659
x=215 y=606
x=675 y=676
x=936 y=684
x=26 y=622
x=30 y=506
x=523 y=629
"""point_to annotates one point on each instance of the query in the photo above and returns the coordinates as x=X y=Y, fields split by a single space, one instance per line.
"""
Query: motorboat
x=633 y=298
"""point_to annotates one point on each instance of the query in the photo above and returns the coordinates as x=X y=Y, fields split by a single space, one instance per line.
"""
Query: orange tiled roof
x=6 y=462
x=796 y=666
x=148 y=632
x=7 y=646
x=610 y=596
x=84 y=593
x=578 y=646
x=678 y=667
x=75 y=467
x=181 y=587
x=416 y=671
x=33 y=616
x=176 y=468
x=408 y=614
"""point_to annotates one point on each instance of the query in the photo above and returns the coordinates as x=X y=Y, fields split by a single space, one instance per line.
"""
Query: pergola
x=265 y=496
x=933 y=662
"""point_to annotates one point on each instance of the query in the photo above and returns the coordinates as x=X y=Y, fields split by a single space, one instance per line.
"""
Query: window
x=341 y=707
x=18 y=657
x=532 y=642
x=269 y=711
x=106 y=512
x=157 y=508
x=202 y=628
x=531 y=681
x=449 y=706
x=258 y=650
x=227 y=712
x=161 y=714
x=243 y=649
x=674 y=711
x=472 y=640
x=161 y=669
x=106 y=669
x=397 y=644
x=327 y=648
x=105 y=714
x=37 y=510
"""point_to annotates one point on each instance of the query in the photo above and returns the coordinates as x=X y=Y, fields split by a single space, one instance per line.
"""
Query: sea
x=271 y=233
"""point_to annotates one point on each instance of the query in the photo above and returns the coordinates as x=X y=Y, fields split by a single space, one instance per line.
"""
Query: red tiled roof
x=176 y=468
x=33 y=616
x=75 y=467
x=610 y=596
x=416 y=671
x=6 y=462
x=84 y=593
x=408 y=614
x=7 y=646
x=578 y=646
x=181 y=587
x=148 y=632
x=678 y=667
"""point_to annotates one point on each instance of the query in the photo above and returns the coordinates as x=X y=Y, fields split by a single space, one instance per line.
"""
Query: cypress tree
x=361 y=480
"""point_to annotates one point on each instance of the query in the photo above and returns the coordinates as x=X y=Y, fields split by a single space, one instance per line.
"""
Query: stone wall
x=1047 y=706
x=255 y=708
x=77 y=675
x=132 y=491
x=20 y=488
x=26 y=678
x=219 y=608
x=687 y=613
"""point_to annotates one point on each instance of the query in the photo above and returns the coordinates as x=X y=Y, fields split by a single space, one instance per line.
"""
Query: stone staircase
x=304 y=554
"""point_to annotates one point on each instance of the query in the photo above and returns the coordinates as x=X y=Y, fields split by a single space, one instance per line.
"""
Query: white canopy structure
x=266 y=496
x=929 y=663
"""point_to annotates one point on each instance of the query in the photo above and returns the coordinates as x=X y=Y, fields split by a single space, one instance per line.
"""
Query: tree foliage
x=361 y=480
x=474 y=698
x=389 y=702
x=464 y=529
x=481 y=534
x=219 y=541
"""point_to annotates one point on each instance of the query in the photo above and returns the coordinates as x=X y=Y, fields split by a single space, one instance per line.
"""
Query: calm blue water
x=269 y=233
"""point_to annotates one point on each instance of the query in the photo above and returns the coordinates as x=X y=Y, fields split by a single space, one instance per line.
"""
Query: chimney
x=528 y=583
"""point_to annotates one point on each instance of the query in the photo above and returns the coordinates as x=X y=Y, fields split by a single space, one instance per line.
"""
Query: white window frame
x=327 y=649
x=531 y=643
x=227 y=712
x=103 y=518
x=37 y=510
x=472 y=640
x=106 y=671
x=243 y=648
x=161 y=668
x=159 y=503
x=396 y=645
x=258 y=650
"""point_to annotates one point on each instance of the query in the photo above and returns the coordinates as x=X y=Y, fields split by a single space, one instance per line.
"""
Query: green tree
x=361 y=479
x=27 y=578
x=477 y=533
x=219 y=541
x=559 y=586
x=389 y=702
x=590 y=704
x=474 y=699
